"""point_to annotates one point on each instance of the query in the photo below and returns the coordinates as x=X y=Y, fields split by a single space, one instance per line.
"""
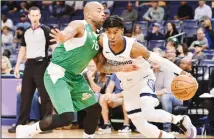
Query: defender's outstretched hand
x=57 y=36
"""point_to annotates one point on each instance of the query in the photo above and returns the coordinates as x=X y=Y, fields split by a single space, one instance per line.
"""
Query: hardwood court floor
x=77 y=133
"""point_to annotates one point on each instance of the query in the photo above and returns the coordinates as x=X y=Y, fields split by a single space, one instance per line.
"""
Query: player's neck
x=92 y=25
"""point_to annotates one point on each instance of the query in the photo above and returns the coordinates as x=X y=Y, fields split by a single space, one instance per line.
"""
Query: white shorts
x=133 y=97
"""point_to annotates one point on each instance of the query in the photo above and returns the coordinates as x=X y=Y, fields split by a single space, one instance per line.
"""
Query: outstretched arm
x=139 y=50
x=73 y=29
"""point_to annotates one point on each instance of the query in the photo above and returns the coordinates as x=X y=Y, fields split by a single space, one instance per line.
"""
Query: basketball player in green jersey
x=68 y=90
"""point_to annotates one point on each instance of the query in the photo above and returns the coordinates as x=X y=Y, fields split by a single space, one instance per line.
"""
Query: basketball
x=184 y=87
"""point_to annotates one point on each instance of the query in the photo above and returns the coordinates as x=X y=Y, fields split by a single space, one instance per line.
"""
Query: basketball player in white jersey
x=138 y=86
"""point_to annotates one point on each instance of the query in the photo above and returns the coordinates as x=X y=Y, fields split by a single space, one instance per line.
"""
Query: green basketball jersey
x=75 y=54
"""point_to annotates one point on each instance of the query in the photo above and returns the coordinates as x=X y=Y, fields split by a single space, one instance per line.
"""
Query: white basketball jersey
x=128 y=79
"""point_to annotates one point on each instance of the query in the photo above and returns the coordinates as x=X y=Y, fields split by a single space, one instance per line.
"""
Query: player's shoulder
x=130 y=39
x=100 y=39
x=77 y=23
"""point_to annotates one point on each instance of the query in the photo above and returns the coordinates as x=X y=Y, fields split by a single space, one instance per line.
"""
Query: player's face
x=97 y=15
x=114 y=35
x=34 y=16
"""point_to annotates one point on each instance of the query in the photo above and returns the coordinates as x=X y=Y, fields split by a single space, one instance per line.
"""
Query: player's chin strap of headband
x=164 y=63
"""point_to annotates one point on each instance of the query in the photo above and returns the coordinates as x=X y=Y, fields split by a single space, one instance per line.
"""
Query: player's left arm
x=140 y=50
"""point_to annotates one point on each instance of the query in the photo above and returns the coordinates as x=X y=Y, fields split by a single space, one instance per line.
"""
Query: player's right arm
x=74 y=29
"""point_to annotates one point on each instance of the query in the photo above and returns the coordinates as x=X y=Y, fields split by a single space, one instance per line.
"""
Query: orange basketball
x=184 y=87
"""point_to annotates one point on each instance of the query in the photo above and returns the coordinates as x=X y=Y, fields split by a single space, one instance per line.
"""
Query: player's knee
x=67 y=117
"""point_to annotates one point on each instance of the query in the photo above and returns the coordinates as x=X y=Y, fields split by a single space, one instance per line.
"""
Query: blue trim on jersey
x=134 y=111
x=124 y=48
x=148 y=94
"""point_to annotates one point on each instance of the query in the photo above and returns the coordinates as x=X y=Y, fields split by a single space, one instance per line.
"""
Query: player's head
x=94 y=12
x=113 y=27
x=34 y=15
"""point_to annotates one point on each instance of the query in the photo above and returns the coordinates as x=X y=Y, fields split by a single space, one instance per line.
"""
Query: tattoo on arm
x=107 y=68
x=104 y=67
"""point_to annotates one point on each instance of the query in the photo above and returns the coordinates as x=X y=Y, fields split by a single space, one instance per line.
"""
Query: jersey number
x=95 y=45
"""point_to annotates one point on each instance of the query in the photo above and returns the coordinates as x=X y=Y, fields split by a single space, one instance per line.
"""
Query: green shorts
x=69 y=94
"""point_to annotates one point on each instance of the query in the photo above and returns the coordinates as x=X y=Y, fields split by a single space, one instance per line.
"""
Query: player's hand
x=16 y=72
x=129 y=68
x=57 y=35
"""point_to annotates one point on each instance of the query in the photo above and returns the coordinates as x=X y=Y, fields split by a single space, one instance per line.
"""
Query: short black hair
x=34 y=8
x=113 y=21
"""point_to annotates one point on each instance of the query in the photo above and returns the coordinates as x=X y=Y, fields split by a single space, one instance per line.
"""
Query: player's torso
x=76 y=53
x=123 y=58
